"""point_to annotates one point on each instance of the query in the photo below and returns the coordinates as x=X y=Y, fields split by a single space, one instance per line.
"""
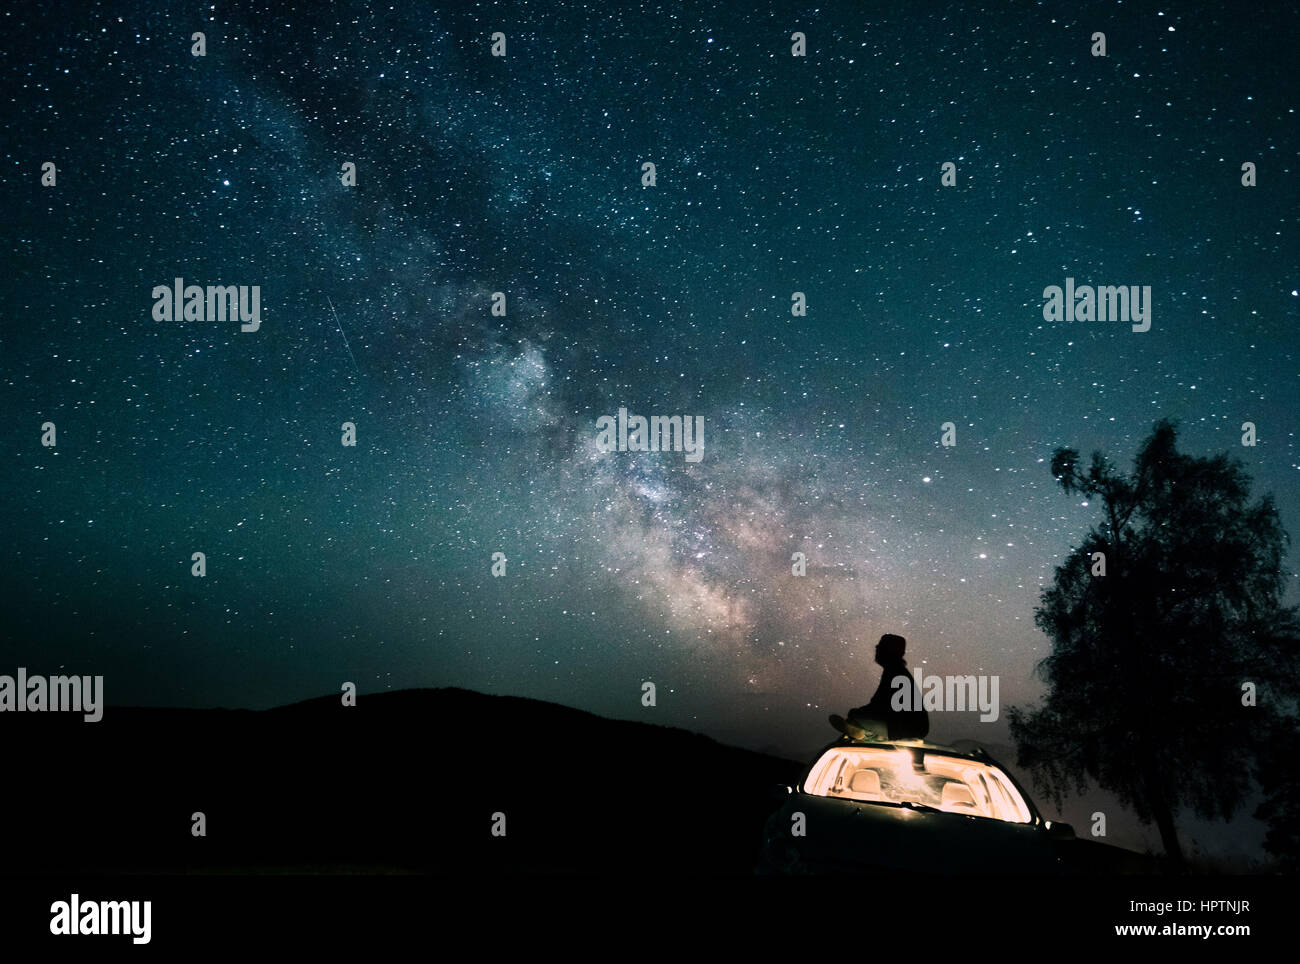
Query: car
x=906 y=806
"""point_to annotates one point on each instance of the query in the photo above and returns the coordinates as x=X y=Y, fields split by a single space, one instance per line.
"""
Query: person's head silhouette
x=889 y=651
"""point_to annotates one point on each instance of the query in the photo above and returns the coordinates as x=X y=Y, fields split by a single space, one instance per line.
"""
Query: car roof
x=978 y=753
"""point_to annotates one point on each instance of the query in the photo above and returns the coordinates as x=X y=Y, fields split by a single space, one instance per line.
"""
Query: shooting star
x=344 y=334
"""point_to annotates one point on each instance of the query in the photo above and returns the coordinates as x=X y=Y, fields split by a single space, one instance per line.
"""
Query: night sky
x=476 y=433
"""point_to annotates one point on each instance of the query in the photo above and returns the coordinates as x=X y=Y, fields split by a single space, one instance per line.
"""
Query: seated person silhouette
x=878 y=720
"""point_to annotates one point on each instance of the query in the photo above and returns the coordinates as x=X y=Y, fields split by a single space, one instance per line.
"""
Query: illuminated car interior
x=942 y=782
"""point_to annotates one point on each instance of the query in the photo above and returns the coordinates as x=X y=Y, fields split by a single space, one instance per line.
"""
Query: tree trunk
x=1164 y=818
x=1169 y=838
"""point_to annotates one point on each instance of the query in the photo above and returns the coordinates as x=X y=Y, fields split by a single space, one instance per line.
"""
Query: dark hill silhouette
x=404 y=781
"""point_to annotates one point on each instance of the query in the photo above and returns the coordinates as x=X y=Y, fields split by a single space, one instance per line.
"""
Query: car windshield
x=917 y=777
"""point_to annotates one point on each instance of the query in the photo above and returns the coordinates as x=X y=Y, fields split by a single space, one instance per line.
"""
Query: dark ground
x=403 y=782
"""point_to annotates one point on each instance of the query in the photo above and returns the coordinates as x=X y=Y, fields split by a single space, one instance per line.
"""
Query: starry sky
x=475 y=433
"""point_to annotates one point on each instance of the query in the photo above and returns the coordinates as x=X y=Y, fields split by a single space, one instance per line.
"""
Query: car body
x=907 y=806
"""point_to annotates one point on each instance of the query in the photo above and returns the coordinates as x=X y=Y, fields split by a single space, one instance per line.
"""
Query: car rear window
x=891 y=776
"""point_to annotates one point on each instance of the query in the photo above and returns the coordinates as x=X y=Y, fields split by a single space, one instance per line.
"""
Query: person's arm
x=878 y=706
x=883 y=701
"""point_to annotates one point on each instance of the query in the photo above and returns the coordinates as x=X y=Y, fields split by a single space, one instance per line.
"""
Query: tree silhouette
x=1146 y=677
x=1280 y=778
